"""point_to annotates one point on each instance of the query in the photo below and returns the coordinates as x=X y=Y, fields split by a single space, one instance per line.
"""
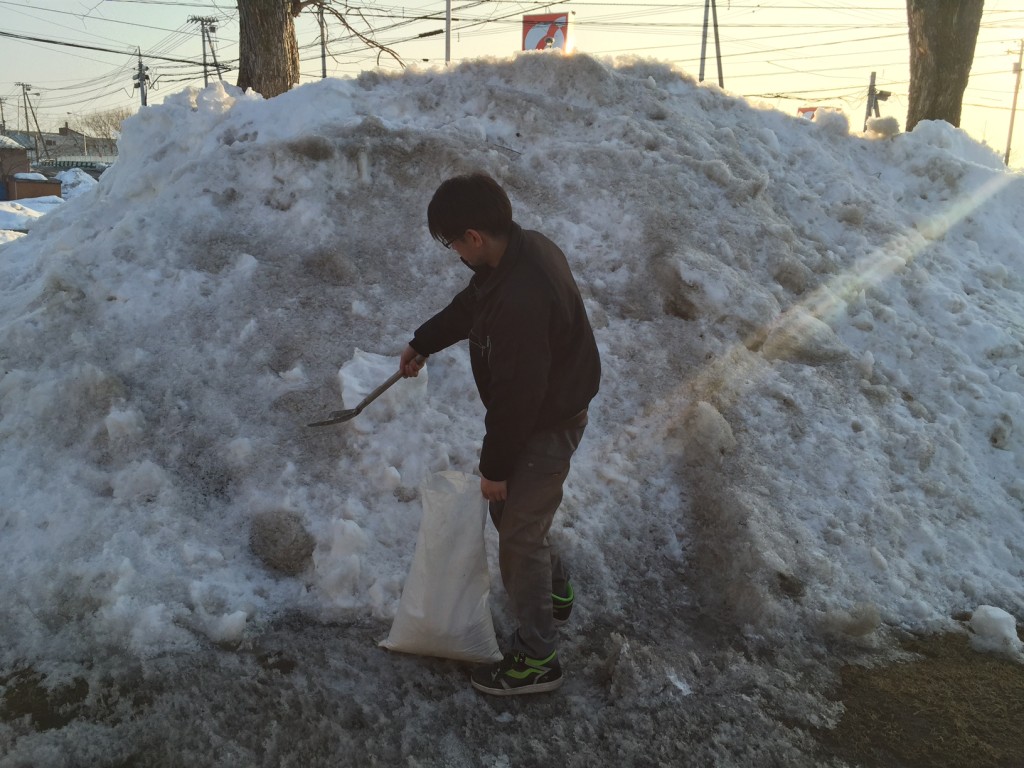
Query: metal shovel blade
x=337 y=417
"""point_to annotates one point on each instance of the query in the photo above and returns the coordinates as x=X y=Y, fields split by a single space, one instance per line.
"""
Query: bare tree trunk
x=268 y=51
x=942 y=38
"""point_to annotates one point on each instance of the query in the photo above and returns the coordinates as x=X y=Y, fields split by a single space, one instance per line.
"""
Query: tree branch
x=367 y=41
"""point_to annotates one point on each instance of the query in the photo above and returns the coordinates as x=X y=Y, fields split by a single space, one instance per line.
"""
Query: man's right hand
x=411 y=362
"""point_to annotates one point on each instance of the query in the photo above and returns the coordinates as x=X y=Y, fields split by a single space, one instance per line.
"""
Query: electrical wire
x=638 y=19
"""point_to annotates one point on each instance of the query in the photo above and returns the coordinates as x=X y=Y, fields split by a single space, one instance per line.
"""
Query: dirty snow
x=808 y=434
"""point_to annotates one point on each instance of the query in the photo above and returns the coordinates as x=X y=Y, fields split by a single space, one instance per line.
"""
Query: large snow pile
x=809 y=424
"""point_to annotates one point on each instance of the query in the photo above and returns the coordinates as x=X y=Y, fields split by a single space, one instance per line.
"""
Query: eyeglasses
x=449 y=243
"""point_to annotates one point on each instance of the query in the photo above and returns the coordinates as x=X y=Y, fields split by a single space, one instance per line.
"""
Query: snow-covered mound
x=810 y=416
x=75 y=182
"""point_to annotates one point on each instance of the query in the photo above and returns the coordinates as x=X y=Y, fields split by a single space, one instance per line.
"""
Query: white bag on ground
x=443 y=610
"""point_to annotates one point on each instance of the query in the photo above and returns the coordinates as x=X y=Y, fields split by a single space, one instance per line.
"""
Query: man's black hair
x=474 y=201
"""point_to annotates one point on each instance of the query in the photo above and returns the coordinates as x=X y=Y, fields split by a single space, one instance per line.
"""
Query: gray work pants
x=531 y=568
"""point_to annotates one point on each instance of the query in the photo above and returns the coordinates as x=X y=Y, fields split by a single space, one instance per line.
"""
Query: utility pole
x=39 y=133
x=3 y=120
x=25 y=88
x=141 y=79
x=1013 y=109
x=874 y=96
x=209 y=24
x=447 y=32
x=323 y=41
x=710 y=5
x=210 y=29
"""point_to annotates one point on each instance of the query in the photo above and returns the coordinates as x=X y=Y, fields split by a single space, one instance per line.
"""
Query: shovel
x=337 y=417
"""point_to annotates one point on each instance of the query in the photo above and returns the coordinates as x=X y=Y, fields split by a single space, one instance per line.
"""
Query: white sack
x=443 y=610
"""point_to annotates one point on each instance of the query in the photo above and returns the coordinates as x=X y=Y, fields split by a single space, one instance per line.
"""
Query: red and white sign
x=545 y=30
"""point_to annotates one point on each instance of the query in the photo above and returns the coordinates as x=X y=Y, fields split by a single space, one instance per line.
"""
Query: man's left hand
x=493 y=490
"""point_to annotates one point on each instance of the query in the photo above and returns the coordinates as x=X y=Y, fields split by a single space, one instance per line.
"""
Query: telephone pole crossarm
x=208 y=25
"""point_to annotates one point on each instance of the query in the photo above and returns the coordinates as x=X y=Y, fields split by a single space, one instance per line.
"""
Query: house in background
x=72 y=142
x=66 y=149
x=13 y=159
x=16 y=178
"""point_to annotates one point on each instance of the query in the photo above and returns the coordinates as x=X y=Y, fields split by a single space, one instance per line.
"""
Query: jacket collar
x=488 y=278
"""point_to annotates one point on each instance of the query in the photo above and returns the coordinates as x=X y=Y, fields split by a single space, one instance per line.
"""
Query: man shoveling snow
x=537 y=367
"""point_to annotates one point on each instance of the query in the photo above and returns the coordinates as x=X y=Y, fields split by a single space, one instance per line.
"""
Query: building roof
x=6 y=142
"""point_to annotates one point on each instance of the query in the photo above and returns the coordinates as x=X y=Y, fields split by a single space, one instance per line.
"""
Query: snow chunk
x=338 y=569
x=75 y=182
x=994 y=630
x=883 y=127
x=228 y=628
x=122 y=425
x=832 y=122
x=800 y=337
x=142 y=481
x=708 y=436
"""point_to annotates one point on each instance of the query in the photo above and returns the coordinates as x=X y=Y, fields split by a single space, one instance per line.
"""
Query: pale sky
x=791 y=53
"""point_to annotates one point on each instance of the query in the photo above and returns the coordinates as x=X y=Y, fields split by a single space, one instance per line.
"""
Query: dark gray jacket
x=533 y=352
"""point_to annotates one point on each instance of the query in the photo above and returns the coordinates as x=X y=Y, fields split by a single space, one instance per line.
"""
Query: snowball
x=280 y=540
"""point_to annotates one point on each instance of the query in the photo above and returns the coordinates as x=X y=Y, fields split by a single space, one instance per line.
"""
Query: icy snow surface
x=18 y=215
x=809 y=428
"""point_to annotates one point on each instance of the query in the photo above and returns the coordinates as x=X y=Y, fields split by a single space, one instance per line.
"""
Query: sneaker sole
x=535 y=688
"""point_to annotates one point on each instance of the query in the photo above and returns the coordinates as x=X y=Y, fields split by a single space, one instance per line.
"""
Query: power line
x=166 y=2
x=82 y=17
x=93 y=48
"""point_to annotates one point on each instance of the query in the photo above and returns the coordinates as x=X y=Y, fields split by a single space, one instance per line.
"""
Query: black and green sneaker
x=517 y=673
x=562 y=606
